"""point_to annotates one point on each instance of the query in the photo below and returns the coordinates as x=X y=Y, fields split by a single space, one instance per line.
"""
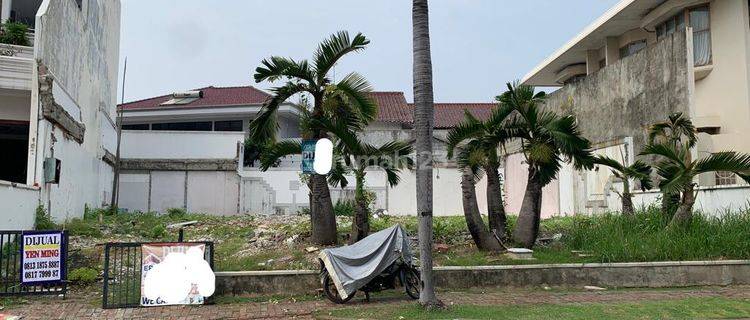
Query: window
x=183 y=126
x=230 y=125
x=14 y=141
x=699 y=18
x=632 y=48
x=143 y=126
x=724 y=178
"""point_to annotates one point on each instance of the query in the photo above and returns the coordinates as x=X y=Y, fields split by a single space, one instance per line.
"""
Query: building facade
x=185 y=150
x=57 y=105
x=639 y=62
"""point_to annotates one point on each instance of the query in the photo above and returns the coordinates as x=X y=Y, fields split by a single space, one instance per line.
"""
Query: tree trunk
x=684 y=212
x=527 y=227
x=482 y=237
x=627 y=204
x=322 y=218
x=423 y=124
x=495 y=206
x=361 y=223
x=627 y=199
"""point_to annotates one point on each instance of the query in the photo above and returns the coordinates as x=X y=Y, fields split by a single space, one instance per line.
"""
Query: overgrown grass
x=647 y=236
x=691 y=308
x=599 y=238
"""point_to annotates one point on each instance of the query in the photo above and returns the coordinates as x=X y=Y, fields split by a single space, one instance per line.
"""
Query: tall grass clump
x=647 y=236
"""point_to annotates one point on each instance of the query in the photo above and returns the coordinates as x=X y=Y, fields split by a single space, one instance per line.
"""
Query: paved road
x=80 y=305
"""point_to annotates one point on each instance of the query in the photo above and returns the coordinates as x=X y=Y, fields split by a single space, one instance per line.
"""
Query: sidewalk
x=81 y=305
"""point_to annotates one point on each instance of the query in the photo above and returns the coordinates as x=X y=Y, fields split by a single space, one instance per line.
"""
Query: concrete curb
x=625 y=275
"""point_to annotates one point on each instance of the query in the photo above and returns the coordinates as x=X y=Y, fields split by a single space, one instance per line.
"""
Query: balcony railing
x=16 y=66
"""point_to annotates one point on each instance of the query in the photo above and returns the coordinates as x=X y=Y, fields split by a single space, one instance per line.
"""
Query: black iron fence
x=10 y=268
x=122 y=273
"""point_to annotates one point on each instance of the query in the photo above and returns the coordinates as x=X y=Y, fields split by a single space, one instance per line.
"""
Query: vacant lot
x=281 y=242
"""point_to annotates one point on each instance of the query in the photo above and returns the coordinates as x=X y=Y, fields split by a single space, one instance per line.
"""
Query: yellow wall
x=722 y=98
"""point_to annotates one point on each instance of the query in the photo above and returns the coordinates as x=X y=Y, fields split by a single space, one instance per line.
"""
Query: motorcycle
x=381 y=261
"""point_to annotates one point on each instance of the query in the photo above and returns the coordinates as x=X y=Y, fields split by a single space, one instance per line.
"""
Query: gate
x=122 y=272
x=10 y=268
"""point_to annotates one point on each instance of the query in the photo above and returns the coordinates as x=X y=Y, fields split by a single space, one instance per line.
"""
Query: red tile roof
x=449 y=115
x=392 y=105
x=212 y=97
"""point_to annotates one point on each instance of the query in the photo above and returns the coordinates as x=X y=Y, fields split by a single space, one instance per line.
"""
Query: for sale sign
x=42 y=257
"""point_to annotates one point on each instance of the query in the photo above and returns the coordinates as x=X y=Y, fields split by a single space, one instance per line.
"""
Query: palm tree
x=329 y=100
x=674 y=131
x=545 y=138
x=676 y=168
x=361 y=156
x=471 y=159
x=639 y=171
x=488 y=136
x=423 y=123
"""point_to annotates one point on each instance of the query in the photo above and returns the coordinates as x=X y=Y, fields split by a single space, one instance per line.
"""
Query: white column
x=5 y=6
x=612 y=51
x=592 y=61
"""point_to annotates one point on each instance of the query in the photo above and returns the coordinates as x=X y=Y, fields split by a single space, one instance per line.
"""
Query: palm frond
x=265 y=126
x=665 y=151
x=725 y=161
x=335 y=47
x=355 y=88
x=468 y=129
x=275 y=68
x=640 y=171
x=337 y=175
x=276 y=151
x=609 y=162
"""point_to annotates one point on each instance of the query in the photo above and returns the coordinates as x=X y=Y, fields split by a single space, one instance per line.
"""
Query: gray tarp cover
x=351 y=267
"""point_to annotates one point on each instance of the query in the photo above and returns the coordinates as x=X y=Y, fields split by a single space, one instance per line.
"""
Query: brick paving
x=80 y=305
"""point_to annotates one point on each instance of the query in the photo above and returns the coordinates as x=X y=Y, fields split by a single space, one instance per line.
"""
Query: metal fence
x=122 y=273
x=10 y=268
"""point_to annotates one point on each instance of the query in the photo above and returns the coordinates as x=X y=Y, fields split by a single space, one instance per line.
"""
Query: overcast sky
x=477 y=45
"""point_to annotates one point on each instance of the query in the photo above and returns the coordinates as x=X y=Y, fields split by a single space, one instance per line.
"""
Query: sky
x=477 y=45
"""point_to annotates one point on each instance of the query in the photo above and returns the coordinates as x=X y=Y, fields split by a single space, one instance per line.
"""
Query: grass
x=691 y=308
x=604 y=238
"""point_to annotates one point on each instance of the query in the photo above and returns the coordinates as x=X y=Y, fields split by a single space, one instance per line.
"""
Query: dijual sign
x=42 y=257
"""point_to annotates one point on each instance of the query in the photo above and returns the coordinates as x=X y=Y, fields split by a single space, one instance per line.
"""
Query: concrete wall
x=18 y=204
x=610 y=275
x=516 y=170
x=78 y=49
x=615 y=104
x=179 y=144
x=213 y=192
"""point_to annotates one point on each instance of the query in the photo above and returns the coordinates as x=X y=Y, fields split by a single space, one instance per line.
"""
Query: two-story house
x=57 y=105
x=184 y=150
x=636 y=64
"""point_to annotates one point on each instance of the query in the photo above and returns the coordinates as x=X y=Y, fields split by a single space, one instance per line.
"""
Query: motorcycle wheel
x=412 y=282
x=329 y=288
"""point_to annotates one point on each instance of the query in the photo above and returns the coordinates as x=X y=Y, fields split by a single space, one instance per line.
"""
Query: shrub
x=83 y=275
x=344 y=208
x=176 y=213
x=158 y=232
x=42 y=220
x=81 y=227
x=14 y=33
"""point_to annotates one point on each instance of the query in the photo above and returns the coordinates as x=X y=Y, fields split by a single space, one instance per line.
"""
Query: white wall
x=179 y=144
x=17 y=205
x=215 y=192
x=212 y=192
x=713 y=201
